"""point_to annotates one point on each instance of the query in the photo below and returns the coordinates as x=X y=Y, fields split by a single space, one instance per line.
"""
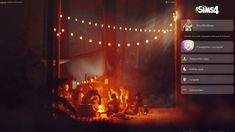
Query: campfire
x=94 y=98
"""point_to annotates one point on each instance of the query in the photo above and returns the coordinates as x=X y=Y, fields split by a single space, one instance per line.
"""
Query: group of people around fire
x=114 y=102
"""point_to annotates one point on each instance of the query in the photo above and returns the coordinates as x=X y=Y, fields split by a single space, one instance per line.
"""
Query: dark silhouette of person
x=113 y=105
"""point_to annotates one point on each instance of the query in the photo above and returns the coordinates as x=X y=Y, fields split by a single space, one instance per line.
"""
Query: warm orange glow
x=96 y=24
x=102 y=25
x=141 y=30
x=54 y=29
x=80 y=37
x=128 y=44
x=109 y=44
x=100 y=42
x=119 y=45
x=61 y=15
x=145 y=30
x=136 y=29
x=108 y=26
x=125 y=28
x=89 y=23
x=106 y=81
x=137 y=43
x=62 y=30
x=114 y=27
x=129 y=29
x=101 y=108
x=71 y=34
x=155 y=37
x=83 y=21
x=76 y=19
x=150 y=30
x=120 y=28
x=57 y=34
x=68 y=17
x=159 y=30
x=90 y=40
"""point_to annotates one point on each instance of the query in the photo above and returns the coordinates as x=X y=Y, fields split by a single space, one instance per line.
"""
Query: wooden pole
x=58 y=38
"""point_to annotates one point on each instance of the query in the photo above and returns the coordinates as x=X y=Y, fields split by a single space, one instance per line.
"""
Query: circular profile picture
x=187 y=45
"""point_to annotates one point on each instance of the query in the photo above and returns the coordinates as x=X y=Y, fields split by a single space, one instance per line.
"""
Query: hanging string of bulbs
x=130 y=29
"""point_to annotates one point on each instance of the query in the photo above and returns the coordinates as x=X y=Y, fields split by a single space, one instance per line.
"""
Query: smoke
x=90 y=65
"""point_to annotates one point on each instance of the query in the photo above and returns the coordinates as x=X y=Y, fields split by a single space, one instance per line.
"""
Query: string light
x=54 y=29
x=109 y=44
x=137 y=43
x=62 y=30
x=128 y=44
x=71 y=34
x=57 y=34
x=100 y=42
x=80 y=37
x=90 y=40
x=146 y=41
x=126 y=28
x=119 y=45
x=155 y=37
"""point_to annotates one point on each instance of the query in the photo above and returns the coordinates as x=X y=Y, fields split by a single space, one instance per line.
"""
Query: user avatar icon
x=187 y=45
x=188 y=26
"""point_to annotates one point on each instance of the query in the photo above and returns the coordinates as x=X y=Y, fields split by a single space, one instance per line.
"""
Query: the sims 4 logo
x=206 y=9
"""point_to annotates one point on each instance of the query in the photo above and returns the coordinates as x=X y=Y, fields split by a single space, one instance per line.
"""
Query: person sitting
x=113 y=105
x=136 y=106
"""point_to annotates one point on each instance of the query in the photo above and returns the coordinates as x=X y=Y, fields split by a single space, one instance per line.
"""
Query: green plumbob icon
x=196 y=9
